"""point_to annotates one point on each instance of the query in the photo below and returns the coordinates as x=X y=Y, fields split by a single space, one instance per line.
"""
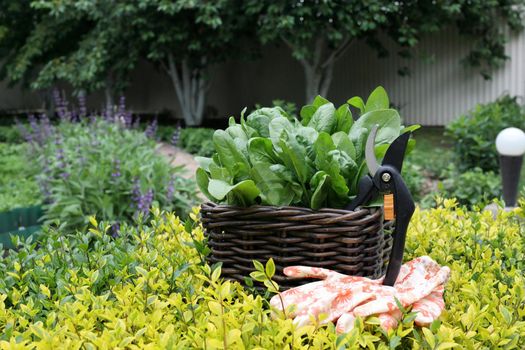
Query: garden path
x=178 y=156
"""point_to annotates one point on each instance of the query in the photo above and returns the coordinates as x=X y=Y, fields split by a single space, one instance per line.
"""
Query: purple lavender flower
x=33 y=123
x=145 y=202
x=26 y=134
x=151 y=130
x=175 y=138
x=60 y=105
x=65 y=175
x=45 y=126
x=115 y=229
x=59 y=153
x=141 y=201
x=135 y=193
x=82 y=104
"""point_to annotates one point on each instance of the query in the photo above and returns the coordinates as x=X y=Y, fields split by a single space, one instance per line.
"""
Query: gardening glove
x=342 y=298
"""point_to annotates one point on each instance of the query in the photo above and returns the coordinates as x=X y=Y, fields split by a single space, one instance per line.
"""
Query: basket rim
x=255 y=207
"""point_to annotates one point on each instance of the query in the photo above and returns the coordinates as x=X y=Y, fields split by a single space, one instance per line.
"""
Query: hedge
x=150 y=289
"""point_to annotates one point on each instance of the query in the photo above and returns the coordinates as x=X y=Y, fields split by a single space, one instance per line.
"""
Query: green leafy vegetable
x=273 y=159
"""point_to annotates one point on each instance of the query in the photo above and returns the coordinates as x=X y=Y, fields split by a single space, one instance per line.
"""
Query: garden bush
x=197 y=141
x=149 y=288
x=100 y=167
x=474 y=134
x=472 y=188
x=18 y=185
x=10 y=134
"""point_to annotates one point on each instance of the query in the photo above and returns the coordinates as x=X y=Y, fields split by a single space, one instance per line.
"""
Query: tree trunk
x=317 y=80
x=190 y=89
x=318 y=70
x=108 y=91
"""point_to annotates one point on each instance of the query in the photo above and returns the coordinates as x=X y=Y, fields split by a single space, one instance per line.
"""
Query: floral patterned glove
x=342 y=298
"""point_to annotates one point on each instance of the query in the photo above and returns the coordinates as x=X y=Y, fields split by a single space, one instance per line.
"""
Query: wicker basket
x=351 y=242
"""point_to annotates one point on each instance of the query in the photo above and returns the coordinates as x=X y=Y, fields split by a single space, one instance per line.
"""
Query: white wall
x=437 y=90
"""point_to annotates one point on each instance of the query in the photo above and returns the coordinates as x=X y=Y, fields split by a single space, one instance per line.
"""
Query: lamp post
x=510 y=144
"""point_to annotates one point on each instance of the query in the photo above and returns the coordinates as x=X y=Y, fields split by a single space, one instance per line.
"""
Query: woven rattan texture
x=351 y=242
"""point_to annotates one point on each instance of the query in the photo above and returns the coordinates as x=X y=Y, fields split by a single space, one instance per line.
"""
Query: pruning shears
x=386 y=179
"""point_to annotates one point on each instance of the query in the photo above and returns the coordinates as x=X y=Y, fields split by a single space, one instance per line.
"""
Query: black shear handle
x=404 y=208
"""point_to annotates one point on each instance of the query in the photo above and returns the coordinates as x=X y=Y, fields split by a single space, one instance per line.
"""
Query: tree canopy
x=318 y=32
x=96 y=44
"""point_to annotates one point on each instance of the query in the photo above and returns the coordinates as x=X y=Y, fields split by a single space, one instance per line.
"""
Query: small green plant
x=474 y=134
x=316 y=162
x=18 y=185
x=10 y=134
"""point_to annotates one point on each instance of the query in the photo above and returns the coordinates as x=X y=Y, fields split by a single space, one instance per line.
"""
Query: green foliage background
x=474 y=134
x=18 y=185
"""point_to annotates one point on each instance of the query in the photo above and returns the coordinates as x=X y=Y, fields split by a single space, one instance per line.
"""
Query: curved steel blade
x=396 y=152
x=370 y=156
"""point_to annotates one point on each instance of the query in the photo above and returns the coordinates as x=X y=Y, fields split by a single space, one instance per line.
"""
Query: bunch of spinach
x=272 y=159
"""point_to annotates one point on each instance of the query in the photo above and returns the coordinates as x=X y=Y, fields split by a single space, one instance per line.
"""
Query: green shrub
x=10 y=134
x=164 y=132
x=149 y=288
x=99 y=167
x=471 y=188
x=413 y=176
x=316 y=162
x=197 y=141
x=474 y=134
x=18 y=186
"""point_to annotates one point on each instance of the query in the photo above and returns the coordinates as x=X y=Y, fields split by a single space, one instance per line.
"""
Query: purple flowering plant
x=103 y=166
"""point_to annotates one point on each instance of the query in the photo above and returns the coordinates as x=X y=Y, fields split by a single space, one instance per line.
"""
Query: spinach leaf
x=388 y=120
x=276 y=188
x=343 y=119
x=295 y=157
x=260 y=119
x=277 y=128
x=229 y=155
x=308 y=111
x=243 y=193
x=261 y=150
x=320 y=183
x=358 y=103
x=342 y=142
x=326 y=161
x=204 y=162
x=324 y=119
x=203 y=181
x=220 y=173
x=378 y=99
